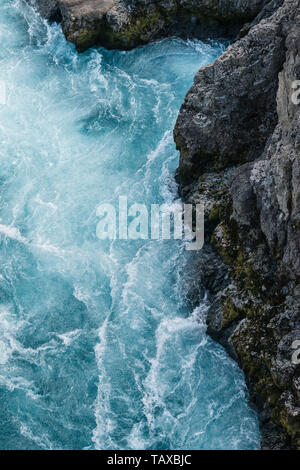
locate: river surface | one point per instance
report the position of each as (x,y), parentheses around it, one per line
(98,348)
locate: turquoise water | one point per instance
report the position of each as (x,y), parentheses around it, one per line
(97,346)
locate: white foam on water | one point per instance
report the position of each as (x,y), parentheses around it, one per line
(68,338)
(13,233)
(97,347)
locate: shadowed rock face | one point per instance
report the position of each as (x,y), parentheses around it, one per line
(49,9)
(239,126)
(125,24)
(229,113)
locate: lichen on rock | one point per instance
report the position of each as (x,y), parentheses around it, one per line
(124,24)
(239,118)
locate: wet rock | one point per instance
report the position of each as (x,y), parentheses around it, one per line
(49,9)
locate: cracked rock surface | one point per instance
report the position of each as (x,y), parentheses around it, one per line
(242,118)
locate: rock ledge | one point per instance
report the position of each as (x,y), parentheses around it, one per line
(124,24)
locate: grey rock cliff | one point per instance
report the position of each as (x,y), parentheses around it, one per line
(238,88)
(240,124)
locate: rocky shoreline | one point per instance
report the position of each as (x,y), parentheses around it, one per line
(238,137)
(125,24)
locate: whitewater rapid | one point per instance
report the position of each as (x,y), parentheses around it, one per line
(98,348)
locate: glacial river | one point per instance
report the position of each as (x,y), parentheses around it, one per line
(98,348)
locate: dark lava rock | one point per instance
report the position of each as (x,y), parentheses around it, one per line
(240,115)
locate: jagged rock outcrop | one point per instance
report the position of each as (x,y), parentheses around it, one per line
(239,125)
(125,24)
(239,88)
